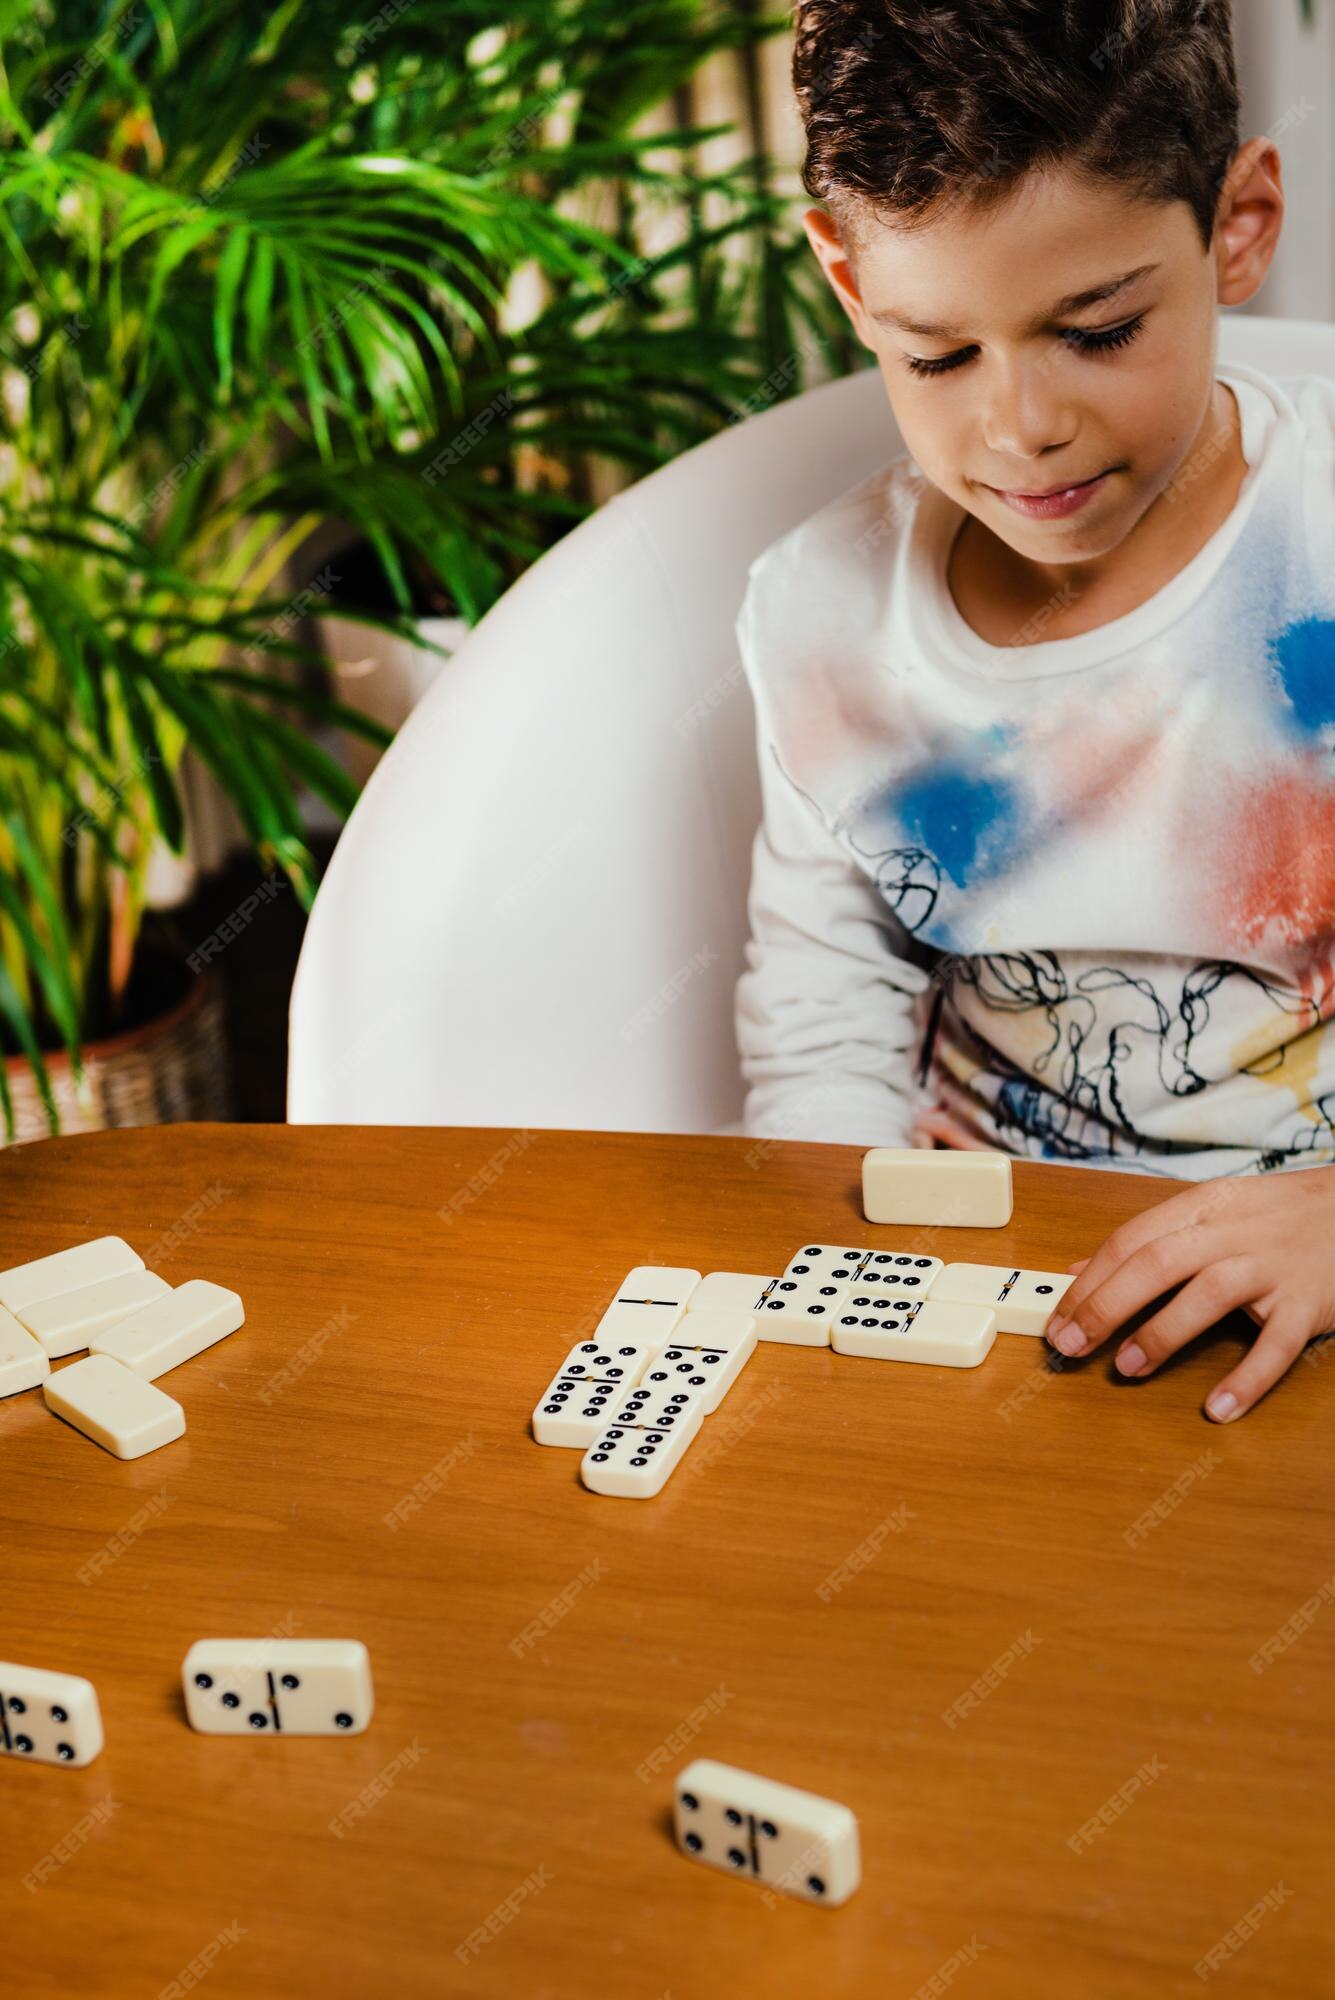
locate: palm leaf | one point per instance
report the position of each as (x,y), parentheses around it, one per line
(289,303)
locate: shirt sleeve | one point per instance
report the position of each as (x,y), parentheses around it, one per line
(829,1014)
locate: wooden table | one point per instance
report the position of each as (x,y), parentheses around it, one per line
(1005,1614)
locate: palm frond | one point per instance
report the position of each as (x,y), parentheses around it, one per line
(256,273)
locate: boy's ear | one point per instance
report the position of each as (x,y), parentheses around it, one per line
(1249,220)
(824,238)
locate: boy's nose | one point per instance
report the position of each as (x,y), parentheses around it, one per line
(1026,427)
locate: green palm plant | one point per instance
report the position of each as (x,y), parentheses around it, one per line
(253,278)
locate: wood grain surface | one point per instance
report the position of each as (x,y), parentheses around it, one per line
(1012,1615)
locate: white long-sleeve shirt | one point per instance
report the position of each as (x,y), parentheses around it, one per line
(1096,873)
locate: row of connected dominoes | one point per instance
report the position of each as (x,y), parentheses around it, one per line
(232,1687)
(896,1305)
(671,1344)
(99,1296)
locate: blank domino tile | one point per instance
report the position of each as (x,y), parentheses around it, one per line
(649,1302)
(278,1687)
(23,1361)
(970,1190)
(587,1389)
(799,1311)
(172,1328)
(726,1291)
(887,1328)
(113,1406)
(69,1321)
(1022,1300)
(48,1718)
(775,1834)
(65,1270)
(634,1457)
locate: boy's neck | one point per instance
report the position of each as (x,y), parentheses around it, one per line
(997,592)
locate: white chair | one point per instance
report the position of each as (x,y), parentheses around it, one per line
(536,914)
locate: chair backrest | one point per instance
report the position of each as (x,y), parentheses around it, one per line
(536,914)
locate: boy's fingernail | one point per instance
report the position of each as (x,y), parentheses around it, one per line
(1131,1359)
(1056,1322)
(1070,1340)
(1222,1405)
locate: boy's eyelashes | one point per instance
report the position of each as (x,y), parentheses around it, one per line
(1085,340)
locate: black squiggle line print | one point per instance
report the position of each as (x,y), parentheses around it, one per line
(788,779)
(919,874)
(1177,1054)
(1082,1104)
(1061,1119)
(1091,1097)
(913,894)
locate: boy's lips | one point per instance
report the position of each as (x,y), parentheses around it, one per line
(1046,492)
(1055,501)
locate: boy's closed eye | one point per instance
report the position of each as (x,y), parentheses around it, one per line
(1085,340)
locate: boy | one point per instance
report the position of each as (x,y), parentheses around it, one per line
(1046,707)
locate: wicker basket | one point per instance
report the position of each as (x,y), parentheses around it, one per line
(172,1068)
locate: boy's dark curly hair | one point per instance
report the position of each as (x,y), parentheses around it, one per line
(910,105)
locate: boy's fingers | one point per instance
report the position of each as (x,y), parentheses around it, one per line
(929,1128)
(1170,1217)
(1276,1348)
(1128,1271)
(923,1135)
(1108,1258)
(1213,1292)
(947,1128)
(1155,1268)
(964,1138)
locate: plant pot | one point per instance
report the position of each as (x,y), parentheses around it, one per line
(382,675)
(171,1067)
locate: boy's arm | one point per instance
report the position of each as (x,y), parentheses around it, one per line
(827,1028)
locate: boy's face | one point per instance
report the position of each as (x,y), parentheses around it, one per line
(1024,403)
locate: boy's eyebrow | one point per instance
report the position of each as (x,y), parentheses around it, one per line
(1073,302)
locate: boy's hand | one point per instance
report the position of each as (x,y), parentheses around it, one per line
(1262,1244)
(934,1124)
